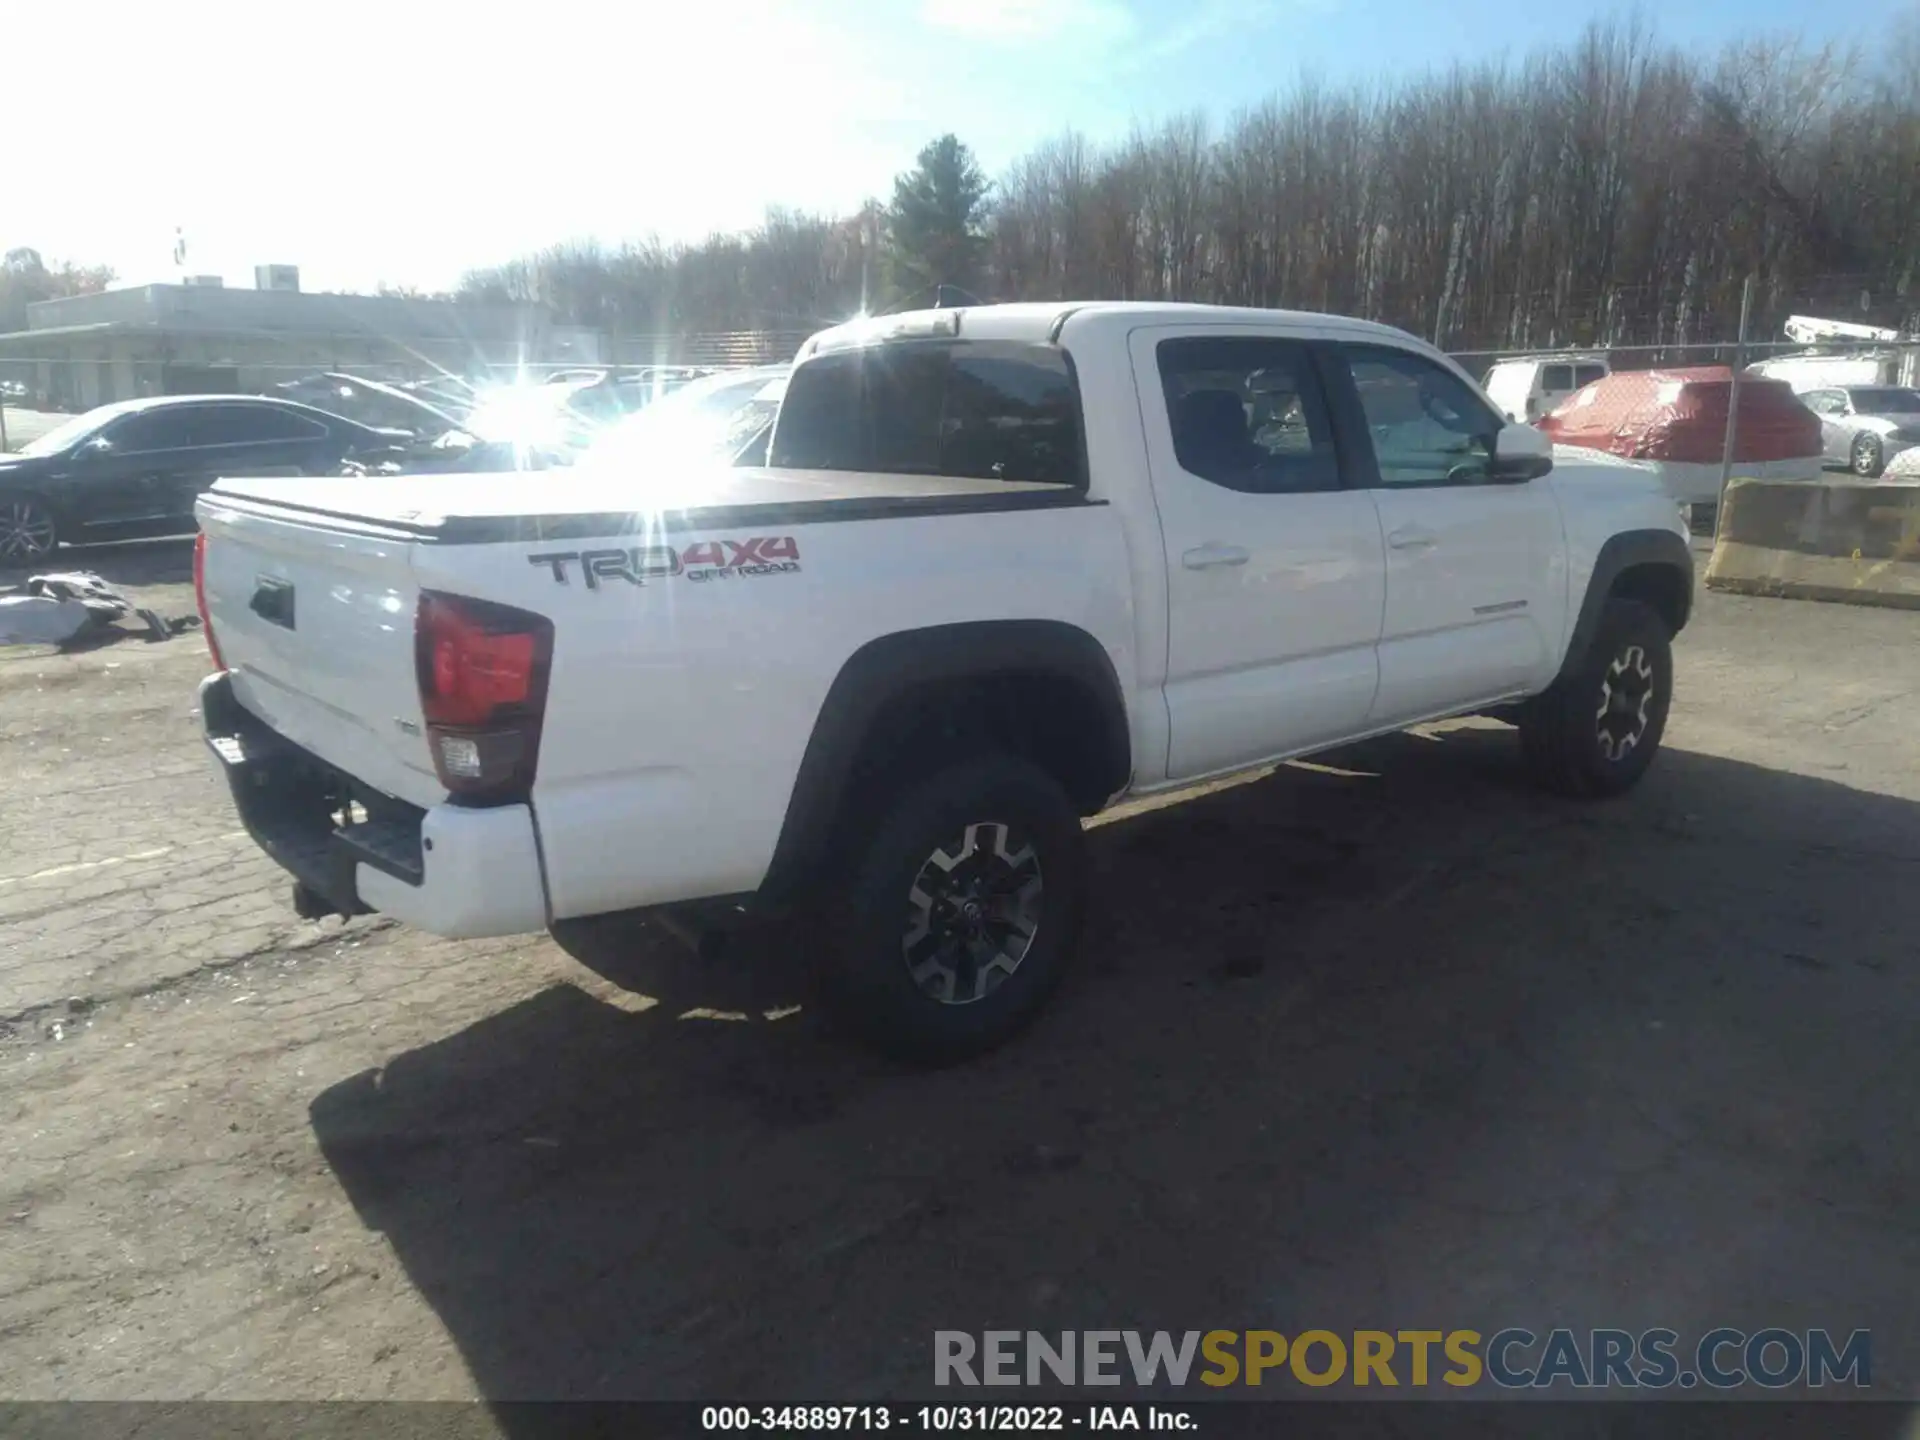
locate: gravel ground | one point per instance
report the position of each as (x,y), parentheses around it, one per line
(1387,1041)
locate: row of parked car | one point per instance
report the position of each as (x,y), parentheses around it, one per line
(564,411)
(135,468)
(1795,416)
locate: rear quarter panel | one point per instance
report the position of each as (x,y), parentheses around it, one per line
(679,708)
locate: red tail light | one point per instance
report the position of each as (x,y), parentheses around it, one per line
(200,598)
(483,691)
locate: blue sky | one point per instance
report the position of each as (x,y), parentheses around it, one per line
(276,133)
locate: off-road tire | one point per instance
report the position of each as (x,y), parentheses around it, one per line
(888,915)
(1597,729)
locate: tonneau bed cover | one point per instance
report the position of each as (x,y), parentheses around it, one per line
(475,509)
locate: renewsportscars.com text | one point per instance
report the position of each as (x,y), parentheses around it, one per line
(1721,1359)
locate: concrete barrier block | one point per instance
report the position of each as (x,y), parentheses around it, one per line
(1832,540)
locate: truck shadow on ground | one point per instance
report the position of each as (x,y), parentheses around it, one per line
(1394,1042)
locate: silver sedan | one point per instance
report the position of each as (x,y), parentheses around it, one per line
(1865,426)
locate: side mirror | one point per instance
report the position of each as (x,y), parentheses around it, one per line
(1520,453)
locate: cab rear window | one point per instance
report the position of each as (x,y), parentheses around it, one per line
(983,410)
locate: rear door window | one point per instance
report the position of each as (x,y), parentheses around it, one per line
(1556,378)
(984,410)
(169,427)
(255,425)
(1247,413)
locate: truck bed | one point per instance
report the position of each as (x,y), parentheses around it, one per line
(479,509)
(312,584)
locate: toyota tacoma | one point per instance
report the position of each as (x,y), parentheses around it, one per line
(1002,567)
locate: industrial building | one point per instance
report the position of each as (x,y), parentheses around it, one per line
(200,337)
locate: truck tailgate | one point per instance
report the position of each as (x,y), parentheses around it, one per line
(316,624)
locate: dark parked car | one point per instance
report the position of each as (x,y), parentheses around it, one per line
(136,468)
(370,402)
(726,417)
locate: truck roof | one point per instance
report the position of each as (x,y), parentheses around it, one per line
(1042,321)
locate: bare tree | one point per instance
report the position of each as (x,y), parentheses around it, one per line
(1612,190)
(26,277)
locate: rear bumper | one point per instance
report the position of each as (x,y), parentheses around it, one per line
(447,869)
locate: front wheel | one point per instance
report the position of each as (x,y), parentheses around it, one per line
(1869,458)
(957,910)
(1597,729)
(28,532)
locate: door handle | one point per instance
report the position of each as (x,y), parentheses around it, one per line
(1412,537)
(1213,556)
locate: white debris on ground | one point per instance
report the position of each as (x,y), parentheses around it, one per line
(58,609)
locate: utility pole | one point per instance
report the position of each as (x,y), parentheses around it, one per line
(1733,403)
(869,250)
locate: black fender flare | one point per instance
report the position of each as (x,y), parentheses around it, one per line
(1621,553)
(889,668)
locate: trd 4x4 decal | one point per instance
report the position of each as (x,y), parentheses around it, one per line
(702,560)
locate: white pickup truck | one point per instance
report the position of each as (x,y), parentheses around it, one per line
(1004,566)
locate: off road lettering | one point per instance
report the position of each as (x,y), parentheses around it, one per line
(636,565)
(702,560)
(762,551)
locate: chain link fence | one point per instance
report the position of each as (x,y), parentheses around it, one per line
(1720,352)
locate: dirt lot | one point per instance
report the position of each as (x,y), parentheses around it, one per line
(1388,1042)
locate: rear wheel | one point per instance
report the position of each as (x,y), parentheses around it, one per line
(1597,729)
(1868,458)
(956,913)
(28,532)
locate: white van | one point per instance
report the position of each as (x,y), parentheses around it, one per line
(1525,387)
